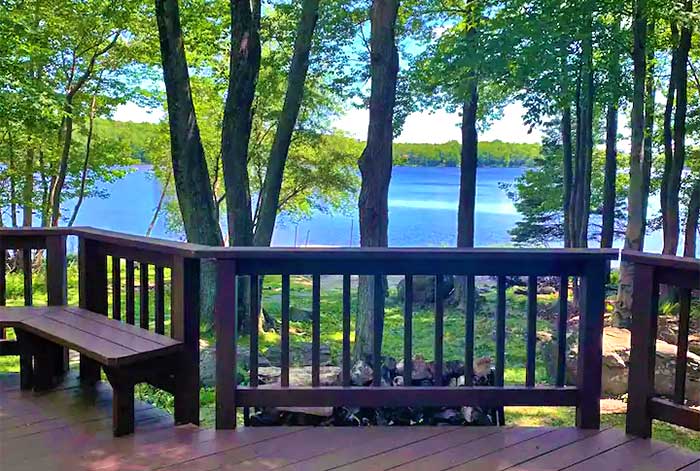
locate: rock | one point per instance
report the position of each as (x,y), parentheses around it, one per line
(546,290)
(300,354)
(616,353)
(424,289)
(207,364)
(361,374)
(299,376)
(297,314)
(421,369)
(668,332)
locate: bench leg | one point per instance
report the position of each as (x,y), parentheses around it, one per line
(45,360)
(187,394)
(122,402)
(26,366)
(89,371)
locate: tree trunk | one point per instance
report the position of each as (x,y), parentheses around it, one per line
(13,185)
(244,66)
(691,222)
(375,163)
(28,188)
(671,215)
(59,181)
(192,184)
(609,197)
(468,166)
(568,174)
(86,161)
(668,135)
(634,234)
(649,109)
(159,206)
(270,194)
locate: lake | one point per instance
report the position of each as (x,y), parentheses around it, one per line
(422,211)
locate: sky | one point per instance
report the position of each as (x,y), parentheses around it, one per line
(424,127)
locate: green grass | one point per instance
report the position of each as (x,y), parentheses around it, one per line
(423,337)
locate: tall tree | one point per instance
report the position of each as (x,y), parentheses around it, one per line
(634,234)
(375,165)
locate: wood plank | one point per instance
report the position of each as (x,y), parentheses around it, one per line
(462,453)
(527,450)
(382,440)
(677,414)
(225,324)
(130,298)
(531,330)
(284,347)
(625,456)
(576,452)
(417,450)
(670,459)
(346,330)
(143,296)
(316,330)
(439,330)
(408,331)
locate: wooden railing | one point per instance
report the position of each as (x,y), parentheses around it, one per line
(182,262)
(644,405)
(590,266)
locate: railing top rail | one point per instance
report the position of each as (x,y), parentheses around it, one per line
(664,261)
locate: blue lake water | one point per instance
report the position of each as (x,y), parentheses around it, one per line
(422,211)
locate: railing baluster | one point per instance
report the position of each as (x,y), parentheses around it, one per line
(3,261)
(284,355)
(682,345)
(439,329)
(130,301)
(501,331)
(408,331)
(160,299)
(254,324)
(316,331)
(377,327)
(469,331)
(346,330)
(27,271)
(561,328)
(225,322)
(531,329)
(143,296)
(116,288)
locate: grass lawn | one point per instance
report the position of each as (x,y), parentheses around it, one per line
(423,335)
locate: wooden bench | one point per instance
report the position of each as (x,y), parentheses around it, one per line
(127,354)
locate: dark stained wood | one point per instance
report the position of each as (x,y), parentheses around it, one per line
(668,261)
(92,277)
(469,315)
(130,298)
(590,359)
(561,329)
(346,330)
(69,428)
(3,286)
(254,327)
(645,302)
(408,331)
(284,347)
(439,330)
(677,414)
(682,345)
(27,272)
(316,330)
(143,296)
(675,277)
(378,396)
(184,315)
(500,330)
(531,330)
(116,288)
(56,276)
(159,300)
(225,324)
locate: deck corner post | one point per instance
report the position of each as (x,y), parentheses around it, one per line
(92,279)
(640,385)
(590,341)
(185,316)
(226,323)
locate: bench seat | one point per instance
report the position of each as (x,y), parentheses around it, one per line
(127,353)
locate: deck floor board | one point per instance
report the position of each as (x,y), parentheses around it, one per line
(69,428)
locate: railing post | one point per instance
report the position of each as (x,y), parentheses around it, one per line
(57,282)
(185,307)
(92,262)
(640,385)
(590,345)
(225,323)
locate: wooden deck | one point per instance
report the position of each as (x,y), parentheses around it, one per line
(70,428)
